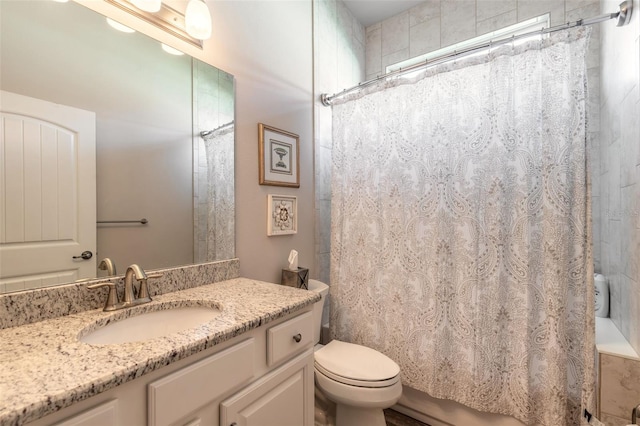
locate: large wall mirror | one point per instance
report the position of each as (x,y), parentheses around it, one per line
(163,143)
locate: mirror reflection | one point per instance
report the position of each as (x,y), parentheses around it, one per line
(102,129)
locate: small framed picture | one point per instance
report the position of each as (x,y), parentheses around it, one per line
(279,156)
(282,215)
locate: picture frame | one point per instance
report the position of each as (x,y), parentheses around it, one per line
(282,215)
(279,153)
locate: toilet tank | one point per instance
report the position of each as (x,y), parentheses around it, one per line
(323,289)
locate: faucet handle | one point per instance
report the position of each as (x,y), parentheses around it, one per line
(112,297)
(144,290)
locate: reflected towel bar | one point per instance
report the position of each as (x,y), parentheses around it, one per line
(142,221)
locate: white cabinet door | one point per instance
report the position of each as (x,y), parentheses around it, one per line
(47,192)
(175,397)
(101,415)
(283,397)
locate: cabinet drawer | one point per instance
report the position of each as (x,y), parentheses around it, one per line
(290,337)
(180,393)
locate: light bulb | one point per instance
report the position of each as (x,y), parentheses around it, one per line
(118,26)
(198,20)
(171,50)
(147,5)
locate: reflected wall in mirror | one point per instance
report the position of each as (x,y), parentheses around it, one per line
(151,160)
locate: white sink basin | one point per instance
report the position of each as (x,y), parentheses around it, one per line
(150,325)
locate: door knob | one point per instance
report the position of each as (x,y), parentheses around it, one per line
(86,255)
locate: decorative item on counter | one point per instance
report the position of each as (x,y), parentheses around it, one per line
(295,276)
(601,296)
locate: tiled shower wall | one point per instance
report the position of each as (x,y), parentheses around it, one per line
(213,103)
(619,166)
(339,46)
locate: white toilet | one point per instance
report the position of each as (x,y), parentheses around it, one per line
(361,381)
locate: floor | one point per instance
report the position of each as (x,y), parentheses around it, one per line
(395,418)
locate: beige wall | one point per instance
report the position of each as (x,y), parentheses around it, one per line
(267,46)
(339,63)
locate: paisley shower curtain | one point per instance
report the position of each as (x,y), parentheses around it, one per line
(461,229)
(220,229)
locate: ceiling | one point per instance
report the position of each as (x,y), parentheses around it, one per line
(369,12)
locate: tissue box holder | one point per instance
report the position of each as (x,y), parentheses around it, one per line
(296,278)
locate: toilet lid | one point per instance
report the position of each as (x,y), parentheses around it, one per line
(355,362)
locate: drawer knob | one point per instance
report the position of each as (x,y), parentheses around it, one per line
(297,337)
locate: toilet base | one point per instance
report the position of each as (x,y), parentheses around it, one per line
(347,415)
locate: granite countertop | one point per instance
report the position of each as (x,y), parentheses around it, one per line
(44,367)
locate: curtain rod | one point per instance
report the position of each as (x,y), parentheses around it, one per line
(623,16)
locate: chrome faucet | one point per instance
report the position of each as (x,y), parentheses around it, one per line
(107,264)
(132,270)
(129,298)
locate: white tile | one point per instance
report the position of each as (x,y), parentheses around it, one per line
(324,266)
(344,21)
(424,37)
(326,13)
(327,65)
(373,27)
(581,9)
(613,183)
(570,5)
(497,22)
(531,8)
(359,32)
(458,21)
(344,64)
(629,256)
(395,34)
(593,100)
(324,221)
(359,63)
(373,51)
(487,9)
(634,332)
(424,12)
(629,141)
(325,127)
(323,173)
(395,57)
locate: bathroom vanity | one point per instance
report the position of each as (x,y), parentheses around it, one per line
(252,364)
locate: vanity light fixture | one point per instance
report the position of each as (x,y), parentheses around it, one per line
(118,26)
(171,50)
(152,6)
(167,19)
(198,20)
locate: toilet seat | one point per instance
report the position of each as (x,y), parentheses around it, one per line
(356,365)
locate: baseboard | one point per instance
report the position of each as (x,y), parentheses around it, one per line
(424,418)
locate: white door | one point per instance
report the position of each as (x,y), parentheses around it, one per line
(47,192)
